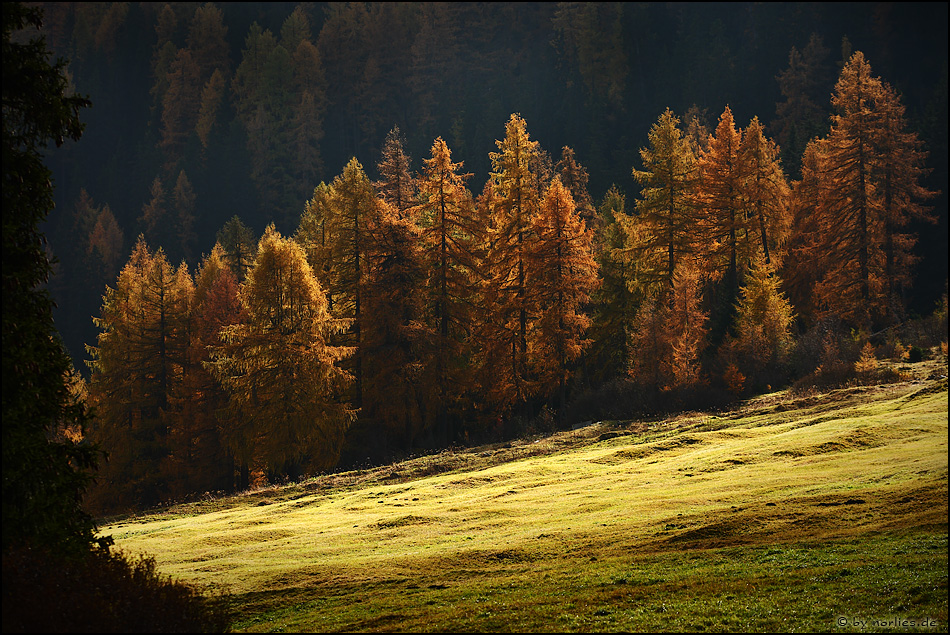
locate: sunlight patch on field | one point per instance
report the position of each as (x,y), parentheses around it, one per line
(783,475)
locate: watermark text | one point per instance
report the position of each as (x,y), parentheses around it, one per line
(844,621)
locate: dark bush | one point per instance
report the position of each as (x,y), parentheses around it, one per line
(829,345)
(617,399)
(103,592)
(916,354)
(627,399)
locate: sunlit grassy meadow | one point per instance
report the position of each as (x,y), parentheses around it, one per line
(819,512)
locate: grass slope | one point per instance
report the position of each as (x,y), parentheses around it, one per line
(818,513)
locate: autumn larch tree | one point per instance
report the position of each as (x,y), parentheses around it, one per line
(156,220)
(285,386)
(183,204)
(649,343)
(137,370)
(669,334)
(352,210)
(207,43)
(181,106)
(106,242)
(397,344)
(212,98)
(574,177)
(666,204)
(450,231)
(613,302)
(802,115)
(687,327)
(696,130)
(765,190)
(802,267)
(561,274)
(504,343)
(764,321)
(721,208)
(396,185)
(238,246)
(848,159)
(871,170)
(899,172)
(201,462)
(314,237)
(310,101)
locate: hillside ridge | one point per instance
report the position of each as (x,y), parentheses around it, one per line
(922,378)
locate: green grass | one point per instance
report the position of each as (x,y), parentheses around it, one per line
(788,514)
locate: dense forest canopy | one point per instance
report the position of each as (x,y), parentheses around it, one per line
(591,76)
(427,221)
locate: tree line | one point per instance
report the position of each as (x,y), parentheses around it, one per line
(412,312)
(207,110)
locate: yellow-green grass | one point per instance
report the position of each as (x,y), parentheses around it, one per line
(787,514)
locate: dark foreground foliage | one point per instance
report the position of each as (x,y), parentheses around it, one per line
(43,477)
(105,592)
(76,582)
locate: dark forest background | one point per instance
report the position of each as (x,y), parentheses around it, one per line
(593,76)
